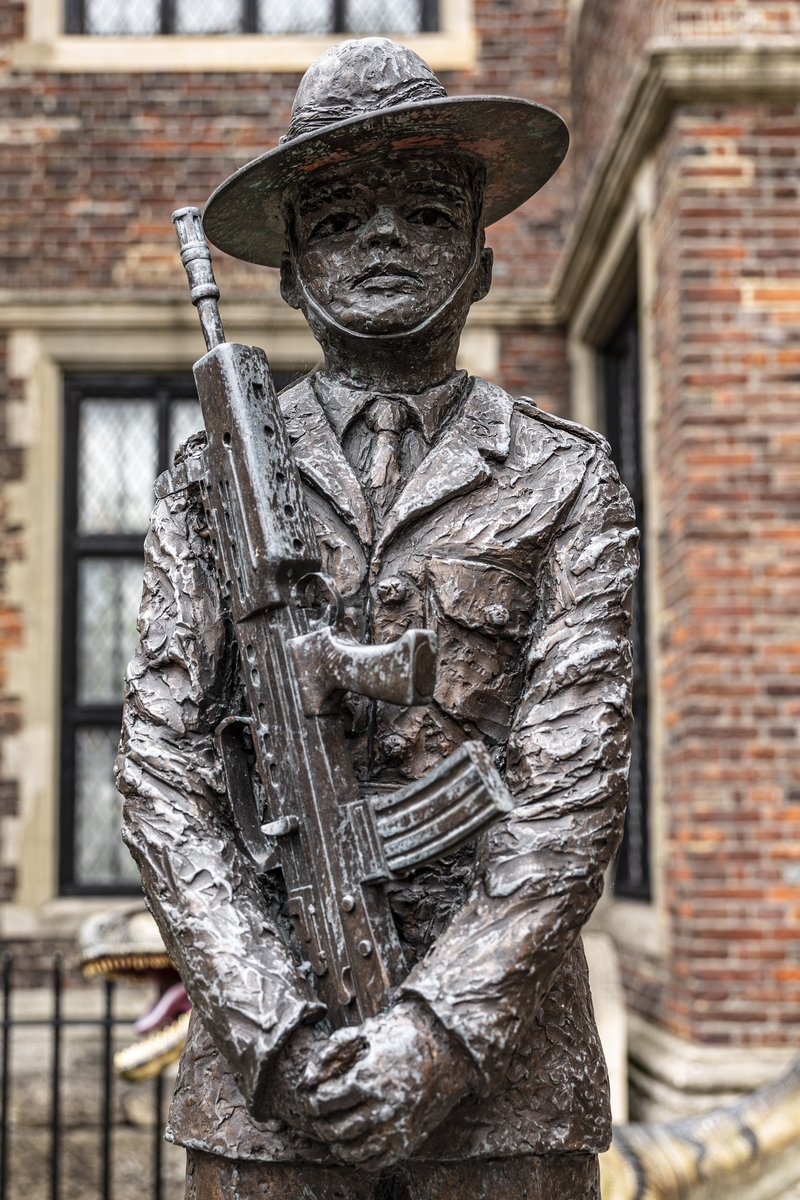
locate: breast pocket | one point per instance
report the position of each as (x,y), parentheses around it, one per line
(482,615)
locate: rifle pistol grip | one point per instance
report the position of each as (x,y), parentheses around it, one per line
(327,664)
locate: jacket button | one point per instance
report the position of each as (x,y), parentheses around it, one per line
(391,747)
(497,615)
(392,590)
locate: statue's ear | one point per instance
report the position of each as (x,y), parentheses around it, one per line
(289,288)
(483,276)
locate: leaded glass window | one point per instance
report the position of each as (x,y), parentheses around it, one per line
(276,16)
(207,16)
(198,17)
(121,16)
(376,16)
(120,433)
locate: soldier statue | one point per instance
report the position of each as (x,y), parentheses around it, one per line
(439,503)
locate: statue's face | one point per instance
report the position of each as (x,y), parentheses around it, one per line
(382,244)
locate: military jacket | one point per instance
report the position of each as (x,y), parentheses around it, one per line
(515,541)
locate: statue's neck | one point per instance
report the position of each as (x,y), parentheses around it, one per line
(411,365)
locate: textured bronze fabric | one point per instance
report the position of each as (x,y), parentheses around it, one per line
(515,542)
(551,1177)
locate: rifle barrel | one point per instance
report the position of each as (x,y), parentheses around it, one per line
(196,258)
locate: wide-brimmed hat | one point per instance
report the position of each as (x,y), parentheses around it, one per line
(374,96)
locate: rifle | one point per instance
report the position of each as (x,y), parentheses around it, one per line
(335,847)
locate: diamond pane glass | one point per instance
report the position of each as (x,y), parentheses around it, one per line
(109,594)
(185,418)
(100,854)
(208,16)
(295,16)
(122,16)
(383,16)
(117,463)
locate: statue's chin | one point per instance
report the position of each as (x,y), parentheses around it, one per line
(386,318)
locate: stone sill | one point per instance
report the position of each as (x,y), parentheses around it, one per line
(447,51)
(701,1069)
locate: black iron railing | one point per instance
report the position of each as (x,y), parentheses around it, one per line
(57,1023)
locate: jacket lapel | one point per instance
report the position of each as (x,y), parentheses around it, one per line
(457,463)
(320,459)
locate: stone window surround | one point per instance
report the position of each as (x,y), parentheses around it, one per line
(46,338)
(613,230)
(627,265)
(46,47)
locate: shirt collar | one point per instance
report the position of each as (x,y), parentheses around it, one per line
(342,404)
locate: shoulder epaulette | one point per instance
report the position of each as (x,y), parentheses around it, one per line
(531,408)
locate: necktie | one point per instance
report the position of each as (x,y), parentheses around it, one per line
(387,420)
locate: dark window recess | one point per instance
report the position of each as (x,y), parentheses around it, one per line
(120,433)
(198,17)
(623,419)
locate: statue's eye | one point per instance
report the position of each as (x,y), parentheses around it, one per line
(431,218)
(336,222)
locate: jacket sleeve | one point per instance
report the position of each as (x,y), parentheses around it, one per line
(540,871)
(215,920)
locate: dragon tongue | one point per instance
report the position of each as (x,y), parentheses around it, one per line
(167,1007)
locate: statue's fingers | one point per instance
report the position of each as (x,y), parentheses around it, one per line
(345,1128)
(335,1096)
(372,1153)
(335,1057)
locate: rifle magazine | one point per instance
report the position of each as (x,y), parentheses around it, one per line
(441,812)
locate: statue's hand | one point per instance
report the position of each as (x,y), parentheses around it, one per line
(375,1091)
(279,1092)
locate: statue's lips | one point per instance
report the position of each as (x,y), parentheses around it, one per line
(387,275)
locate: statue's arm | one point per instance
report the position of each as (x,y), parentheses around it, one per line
(213,917)
(541,871)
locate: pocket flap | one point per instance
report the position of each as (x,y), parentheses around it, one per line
(481,596)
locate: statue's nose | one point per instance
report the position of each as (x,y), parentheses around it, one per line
(383,229)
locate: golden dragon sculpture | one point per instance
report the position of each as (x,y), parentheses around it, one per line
(748,1150)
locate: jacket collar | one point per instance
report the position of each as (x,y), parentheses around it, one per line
(342,404)
(457,462)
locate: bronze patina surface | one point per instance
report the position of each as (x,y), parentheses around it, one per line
(439,503)
(531,1177)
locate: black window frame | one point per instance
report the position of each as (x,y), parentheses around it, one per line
(620,362)
(75,18)
(164,389)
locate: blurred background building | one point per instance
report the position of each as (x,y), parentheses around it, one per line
(651,290)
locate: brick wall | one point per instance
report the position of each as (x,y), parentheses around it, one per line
(533,362)
(102,161)
(606,64)
(711,19)
(728,322)
(525,52)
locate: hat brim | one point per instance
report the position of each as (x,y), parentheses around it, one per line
(522,144)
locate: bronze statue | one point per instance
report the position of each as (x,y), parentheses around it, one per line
(439,504)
